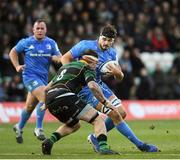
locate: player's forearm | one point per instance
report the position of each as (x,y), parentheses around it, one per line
(66,58)
(65,61)
(14,58)
(97,91)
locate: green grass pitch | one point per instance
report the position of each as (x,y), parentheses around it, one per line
(165,134)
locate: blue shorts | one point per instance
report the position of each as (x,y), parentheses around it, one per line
(32,82)
(87,95)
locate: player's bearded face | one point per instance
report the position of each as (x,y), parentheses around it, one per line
(105,42)
(39,30)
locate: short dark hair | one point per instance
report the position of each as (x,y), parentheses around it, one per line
(39,20)
(108,31)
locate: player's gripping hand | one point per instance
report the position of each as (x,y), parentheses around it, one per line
(115,69)
(109,105)
(20,68)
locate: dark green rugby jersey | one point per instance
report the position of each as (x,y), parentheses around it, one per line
(74,76)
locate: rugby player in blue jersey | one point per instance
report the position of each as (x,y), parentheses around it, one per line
(103,46)
(39,50)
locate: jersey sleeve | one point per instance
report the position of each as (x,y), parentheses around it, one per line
(90,75)
(55,49)
(20,46)
(78,49)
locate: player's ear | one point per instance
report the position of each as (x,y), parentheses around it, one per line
(33,29)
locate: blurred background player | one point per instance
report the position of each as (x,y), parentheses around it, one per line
(64,104)
(39,50)
(105,53)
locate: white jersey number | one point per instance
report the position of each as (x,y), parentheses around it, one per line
(61,74)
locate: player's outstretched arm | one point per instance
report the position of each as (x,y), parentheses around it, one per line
(66,58)
(99,94)
(97,91)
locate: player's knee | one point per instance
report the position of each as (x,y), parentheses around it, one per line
(94,118)
(98,121)
(122,112)
(123,115)
(115,116)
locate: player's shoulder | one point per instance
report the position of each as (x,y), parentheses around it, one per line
(87,42)
(112,50)
(49,39)
(24,40)
(28,40)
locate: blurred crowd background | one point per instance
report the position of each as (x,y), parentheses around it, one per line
(148,42)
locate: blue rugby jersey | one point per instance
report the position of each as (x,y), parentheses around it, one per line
(103,55)
(37,55)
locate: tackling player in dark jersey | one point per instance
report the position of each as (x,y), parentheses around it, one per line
(64,104)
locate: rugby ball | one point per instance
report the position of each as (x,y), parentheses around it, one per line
(103,67)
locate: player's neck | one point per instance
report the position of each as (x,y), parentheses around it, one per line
(38,39)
